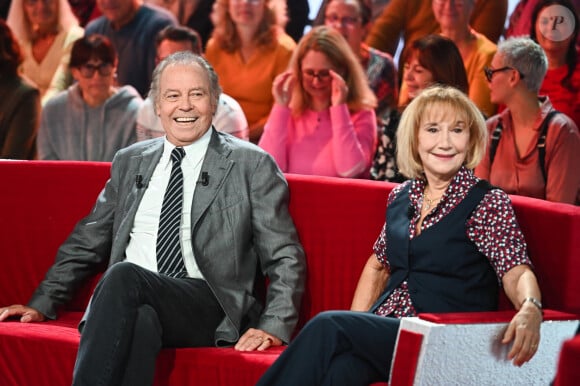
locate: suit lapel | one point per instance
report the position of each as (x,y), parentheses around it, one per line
(142,164)
(217,165)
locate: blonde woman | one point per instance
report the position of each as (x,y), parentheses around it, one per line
(248,48)
(323,121)
(46,30)
(465,226)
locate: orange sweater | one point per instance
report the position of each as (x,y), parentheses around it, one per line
(250,83)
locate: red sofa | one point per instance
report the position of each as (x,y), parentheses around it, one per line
(337,221)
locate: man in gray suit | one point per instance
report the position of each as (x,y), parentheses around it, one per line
(234,226)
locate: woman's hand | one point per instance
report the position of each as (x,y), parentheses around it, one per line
(524,331)
(282,88)
(339,89)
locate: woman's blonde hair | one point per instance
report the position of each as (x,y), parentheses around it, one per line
(336,49)
(226,36)
(441,98)
(20,24)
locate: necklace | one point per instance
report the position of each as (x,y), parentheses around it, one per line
(428,201)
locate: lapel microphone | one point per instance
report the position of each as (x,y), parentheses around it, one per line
(204,178)
(139,181)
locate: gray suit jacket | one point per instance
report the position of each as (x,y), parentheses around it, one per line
(240,222)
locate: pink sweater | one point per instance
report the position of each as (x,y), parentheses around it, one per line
(332,142)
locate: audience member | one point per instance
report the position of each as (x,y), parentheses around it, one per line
(132,26)
(322,122)
(46,30)
(93,119)
(189,282)
(533,152)
(562,80)
(248,49)
(476,50)
(414,19)
(352,19)
(433,59)
(19,102)
(443,220)
(229,116)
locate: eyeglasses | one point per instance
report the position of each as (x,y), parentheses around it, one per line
(345,21)
(489,72)
(88,70)
(321,75)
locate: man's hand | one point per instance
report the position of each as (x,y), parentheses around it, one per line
(254,339)
(524,331)
(27,314)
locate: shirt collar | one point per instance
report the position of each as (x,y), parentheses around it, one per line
(194,152)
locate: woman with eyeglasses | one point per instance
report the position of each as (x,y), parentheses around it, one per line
(534,150)
(93,118)
(562,80)
(248,48)
(46,30)
(323,120)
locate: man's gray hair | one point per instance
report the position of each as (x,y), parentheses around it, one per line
(527,57)
(185,58)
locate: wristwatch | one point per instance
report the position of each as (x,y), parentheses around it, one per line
(534,301)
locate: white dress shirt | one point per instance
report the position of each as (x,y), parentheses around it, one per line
(141,249)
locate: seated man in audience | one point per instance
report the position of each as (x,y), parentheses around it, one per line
(132,26)
(229,116)
(175,280)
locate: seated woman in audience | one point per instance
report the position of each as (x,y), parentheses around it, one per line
(46,30)
(248,49)
(92,119)
(562,80)
(322,122)
(449,221)
(533,152)
(430,60)
(476,50)
(19,102)
(352,19)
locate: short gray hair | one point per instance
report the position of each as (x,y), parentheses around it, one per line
(527,57)
(185,58)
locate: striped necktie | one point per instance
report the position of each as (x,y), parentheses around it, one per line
(169,257)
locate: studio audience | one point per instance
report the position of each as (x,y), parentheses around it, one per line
(92,119)
(323,120)
(248,49)
(533,151)
(19,102)
(46,30)
(413,19)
